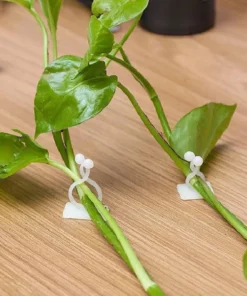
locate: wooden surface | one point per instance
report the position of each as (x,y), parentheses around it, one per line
(186,246)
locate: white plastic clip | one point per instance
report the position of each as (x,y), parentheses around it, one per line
(186,191)
(73,209)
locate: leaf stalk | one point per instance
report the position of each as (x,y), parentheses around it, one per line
(150,91)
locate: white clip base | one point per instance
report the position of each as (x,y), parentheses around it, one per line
(189,193)
(71,211)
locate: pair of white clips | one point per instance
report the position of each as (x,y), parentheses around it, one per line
(186,191)
(75,210)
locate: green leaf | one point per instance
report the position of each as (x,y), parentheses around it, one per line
(17,152)
(245,265)
(51,9)
(65,98)
(199,130)
(100,41)
(114,12)
(26,3)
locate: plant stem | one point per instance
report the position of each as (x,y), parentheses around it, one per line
(209,196)
(45,36)
(136,265)
(196,182)
(99,222)
(60,146)
(127,60)
(71,160)
(151,92)
(104,229)
(70,152)
(155,291)
(245,264)
(124,56)
(93,212)
(125,38)
(183,165)
(199,185)
(54,42)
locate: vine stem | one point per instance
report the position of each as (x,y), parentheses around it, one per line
(149,286)
(103,224)
(183,165)
(44,34)
(100,223)
(60,146)
(53,31)
(196,182)
(70,152)
(151,92)
(209,196)
(125,38)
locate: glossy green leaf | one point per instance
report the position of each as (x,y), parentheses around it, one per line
(245,265)
(51,9)
(199,130)
(112,12)
(17,152)
(100,41)
(26,3)
(65,99)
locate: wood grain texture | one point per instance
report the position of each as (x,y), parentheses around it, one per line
(186,246)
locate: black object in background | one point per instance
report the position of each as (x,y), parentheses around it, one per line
(179,17)
(88,3)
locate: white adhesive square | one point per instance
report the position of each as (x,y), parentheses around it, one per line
(189,193)
(71,211)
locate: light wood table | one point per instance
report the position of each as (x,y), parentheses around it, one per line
(186,246)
